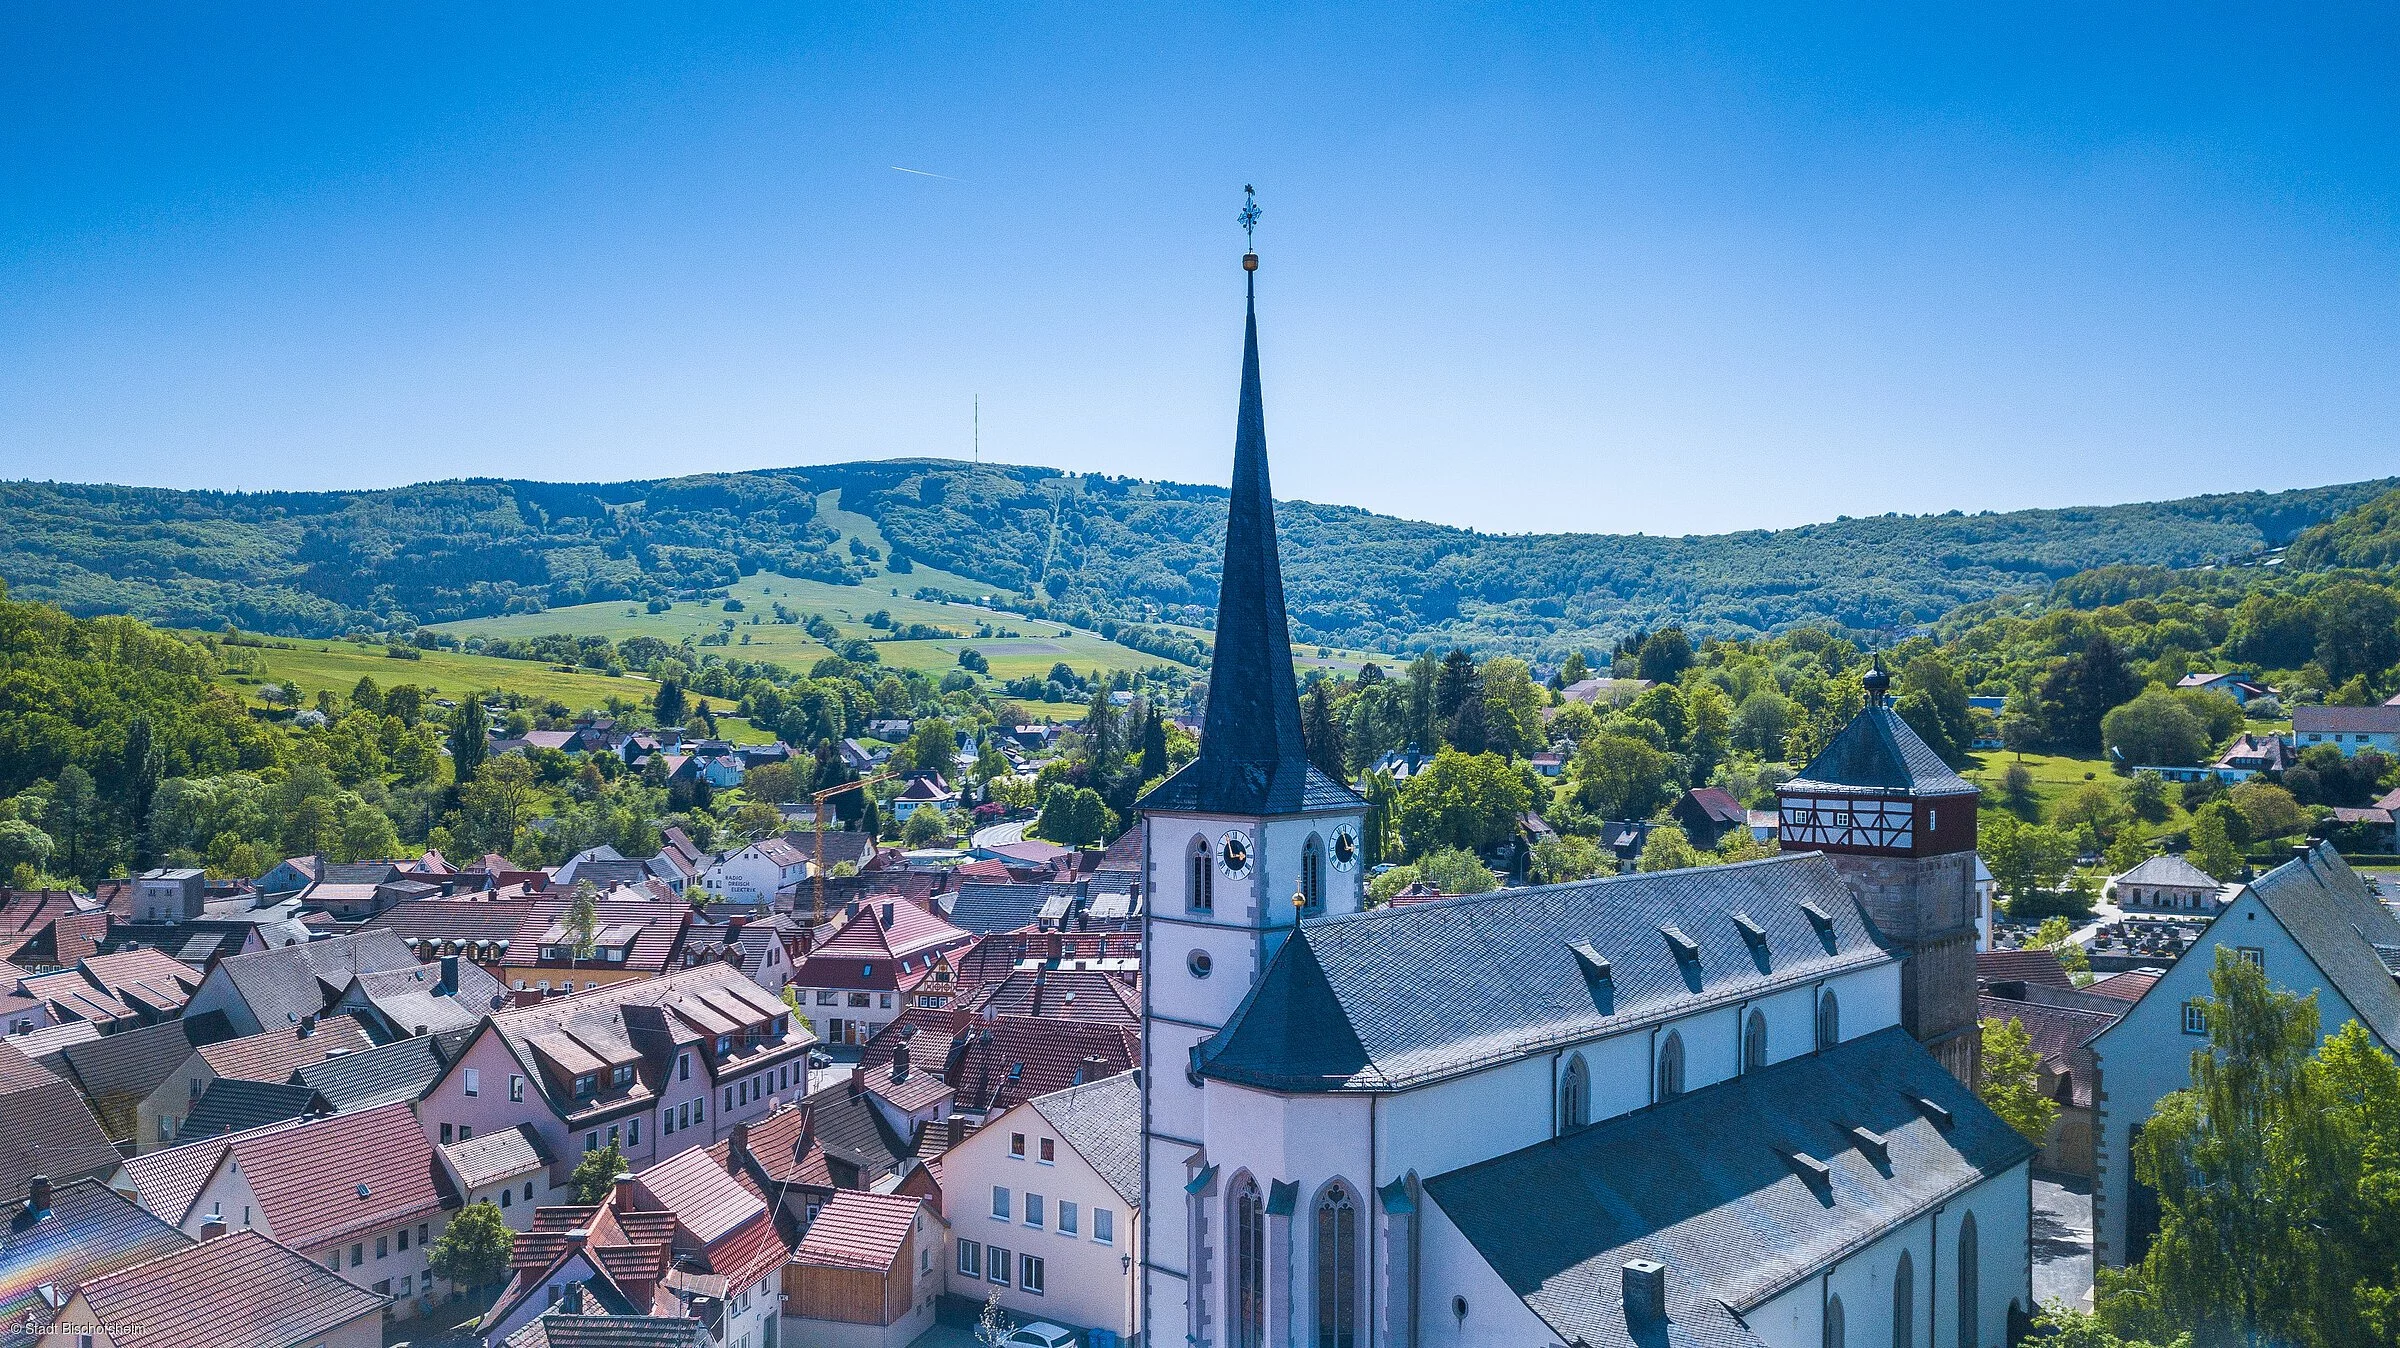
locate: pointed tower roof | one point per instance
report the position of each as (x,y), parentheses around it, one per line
(1880,752)
(1253,759)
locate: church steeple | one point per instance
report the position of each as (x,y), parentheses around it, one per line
(1253,759)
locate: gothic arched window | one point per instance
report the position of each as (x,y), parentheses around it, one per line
(1754,1042)
(1829,1020)
(1312,876)
(1835,1329)
(1574,1096)
(1904,1302)
(1670,1066)
(1202,896)
(1337,1268)
(1249,1226)
(1970,1286)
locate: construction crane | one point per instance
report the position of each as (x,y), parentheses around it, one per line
(817,918)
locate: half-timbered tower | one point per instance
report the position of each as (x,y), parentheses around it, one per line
(1900,826)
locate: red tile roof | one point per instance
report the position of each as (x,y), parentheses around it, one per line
(1006,1060)
(2125,987)
(1067,994)
(706,1200)
(1719,805)
(859,1230)
(150,977)
(237,1289)
(324,1180)
(49,1130)
(2022,966)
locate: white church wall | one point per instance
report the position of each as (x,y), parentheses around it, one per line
(1791,1022)
(1455,1123)
(1620,1068)
(1456,1274)
(1305,1139)
(1179,991)
(1710,1051)
(1869,999)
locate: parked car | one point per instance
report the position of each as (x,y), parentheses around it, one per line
(1040,1334)
(819,1059)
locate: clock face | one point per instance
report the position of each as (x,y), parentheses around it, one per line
(1345,848)
(1234,853)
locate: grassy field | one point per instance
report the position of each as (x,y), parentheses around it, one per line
(337,666)
(1027,648)
(2056,777)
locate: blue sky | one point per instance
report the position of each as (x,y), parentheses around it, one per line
(1524,267)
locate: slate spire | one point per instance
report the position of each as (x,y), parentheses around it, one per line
(1253,702)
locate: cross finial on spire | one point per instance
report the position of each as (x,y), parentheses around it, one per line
(1249,219)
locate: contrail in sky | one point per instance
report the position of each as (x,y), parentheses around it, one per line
(923,174)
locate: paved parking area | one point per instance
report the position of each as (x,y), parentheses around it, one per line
(2062,1240)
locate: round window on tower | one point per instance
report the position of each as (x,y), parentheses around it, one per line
(1200,964)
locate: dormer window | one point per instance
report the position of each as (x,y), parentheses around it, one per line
(624,1075)
(585,1086)
(724,1044)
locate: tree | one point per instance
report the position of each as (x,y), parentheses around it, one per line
(2083,688)
(2155,728)
(2228,1156)
(772,783)
(1558,860)
(2130,848)
(1512,708)
(668,707)
(1319,727)
(1074,816)
(143,766)
(1619,777)
(498,803)
(23,844)
(2011,1079)
(925,826)
(473,1250)
(1462,800)
(1455,870)
(932,746)
(993,1326)
(2268,809)
(2016,790)
(595,1176)
(1760,724)
(73,820)
(2057,935)
(470,737)
(1154,747)
(2091,809)
(2146,796)
(1933,700)
(1668,848)
(583,919)
(1454,685)
(1573,671)
(2212,846)
(2025,859)
(2358,630)
(1664,655)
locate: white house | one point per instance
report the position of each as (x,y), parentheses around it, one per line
(2167,884)
(1684,1107)
(2315,927)
(2350,729)
(1042,1203)
(757,873)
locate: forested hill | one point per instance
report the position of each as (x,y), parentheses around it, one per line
(315,563)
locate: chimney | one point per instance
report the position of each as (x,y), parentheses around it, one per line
(449,983)
(38,1195)
(620,1196)
(1058,945)
(212,1228)
(1094,1067)
(887,916)
(1645,1290)
(956,1126)
(858,1080)
(572,1304)
(900,1061)
(737,1149)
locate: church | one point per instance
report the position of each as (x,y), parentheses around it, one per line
(1723,1106)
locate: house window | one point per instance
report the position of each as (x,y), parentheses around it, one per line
(1670,1066)
(729,1097)
(1203,895)
(446,1138)
(1016,1145)
(516,1088)
(666,1122)
(995,1265)
(858,999)
(1829,1020)
(1033,1209)
(1030,1273)
(1000,1205)
(827,997)
(2253,954)
(1904,1303)
(1312,876)
(633,1132)
(1754,1041)
(1049,1151)
(683,1067)
(358,1255)
(1337,1268)
(1970,1286)
(2195,1016)
(507,1197)
(1067,1216)
(404,1238)
(466,1132)
(474,1082)
(886,1000)
(591,1141)
(1104,1225)
(1575,1096)
(408,1283)
(970,1258)
(1250,1266)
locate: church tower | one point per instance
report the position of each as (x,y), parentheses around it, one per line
(1241,844)
(1900,826)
